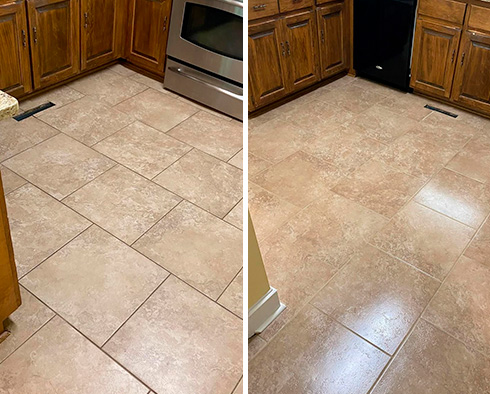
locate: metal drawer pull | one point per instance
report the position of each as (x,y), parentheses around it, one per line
(24,42)
(86,20)
(462,58)
(283,50)
(323,36)
(34,30)
(452,57)
(259,7)
(289,49)
(165,24)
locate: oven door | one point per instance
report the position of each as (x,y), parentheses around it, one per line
(208,34)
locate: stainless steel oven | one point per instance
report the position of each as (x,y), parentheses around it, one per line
(205,53)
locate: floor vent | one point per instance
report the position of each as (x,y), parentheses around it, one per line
(33,111)
(441,111)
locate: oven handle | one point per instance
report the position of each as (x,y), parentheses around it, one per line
(179,70)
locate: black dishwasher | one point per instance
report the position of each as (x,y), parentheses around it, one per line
(383,35)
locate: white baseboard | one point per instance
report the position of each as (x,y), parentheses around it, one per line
(264,312)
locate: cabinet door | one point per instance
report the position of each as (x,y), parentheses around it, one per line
(332,32)
(266,56)
(101,31)
(148,33)
(434,57)
(15,65)
(300,39)
(472,81)
(55,45)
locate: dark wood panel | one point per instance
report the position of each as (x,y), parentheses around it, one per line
(479,18)
(448,10)
(262,8)
(291,5)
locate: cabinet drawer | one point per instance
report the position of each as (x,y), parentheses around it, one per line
(448,10)
(262,8)
(479,18)
(290,5)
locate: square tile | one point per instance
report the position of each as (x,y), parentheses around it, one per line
(425,239)
(378,297)
(157,109)
(256,164)
(60,165)
(151,83)
(23,323)
(58,96)
(204,180)
(122,70)
(474,160)
(239,388)
(232,297)
(60,360)
(237,160)
(462,305)
(379,187)
(479,248)
(143,149)
(310,175)
(123,203)
(217,137)
(353,98)
(86,120)
(181,342)
(39,225)
(314,354)
(407,104)
(433,362)
(255,345)
(10,180)
(95,283)
(458,197)
(374,87)
(196,246)
(16,137)
(235,216)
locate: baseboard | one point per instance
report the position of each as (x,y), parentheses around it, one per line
(264,312)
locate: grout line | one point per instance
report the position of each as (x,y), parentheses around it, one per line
(229,284)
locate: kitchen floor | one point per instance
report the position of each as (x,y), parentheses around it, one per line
(125,206)
(372,213)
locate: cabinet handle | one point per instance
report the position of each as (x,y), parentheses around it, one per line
(462,58)
(86,20)
(452,57)
(283,50)
(259,7)
(323,36)
(165,24)
(24,42)
(34,30)
(289,49)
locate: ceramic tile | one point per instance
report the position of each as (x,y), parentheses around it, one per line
(314,354)
(16,137)
(10,180)
(433,362)
(256,164)
(232,298)
(479,248)
(123,203)
(157,109)
(379,187)
(39,225)
(235,216)
(237,160)
(239,388)
(204,180)
(23,323)
(342,82)
(196,246)
(375,87)
(95,282)
(152,83)
(458,197)
(205,108)
(60,165)
(474,160)
(181,342)
(58,96)
(108,87)
(378,297)
(458,124)
(215,136)
(299,172)
(59,360)
(407,104)
(142,149)
(255,345)
(462,306)
(425,239)
(353,98)
(121,70)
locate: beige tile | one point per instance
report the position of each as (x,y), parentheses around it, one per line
(123,203)
(40,225)
(151,83)
(353,98)
(267,211)
(237,160)
(215,136)
(458,124)
(181,342)
(462,306)
(59,97)
(474,160)
(108,87)
(256,164)
(143,149)
(205,108)
(16,137)
(122,70)
(407,104)
(232,298)
(23,323)
(433,362)
(378,297)
(235,216)
(452,138)
(60,165)
(379,187)
(10,180)
(479,248)
(95,283)
(59,360)
(375,87)
(204,180)
(314,354)
(239,388)
(299,179)
(199,248)
(424,239)
(458,197)
(341,82)
(157,109)
(255,345)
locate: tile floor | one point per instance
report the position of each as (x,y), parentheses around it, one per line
(373,217)
(126,215)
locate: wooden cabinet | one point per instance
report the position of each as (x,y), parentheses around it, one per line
(101,31)
(262,8)
(54,38)
(15,65)
(291,5)
(148,33)
(332,35)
